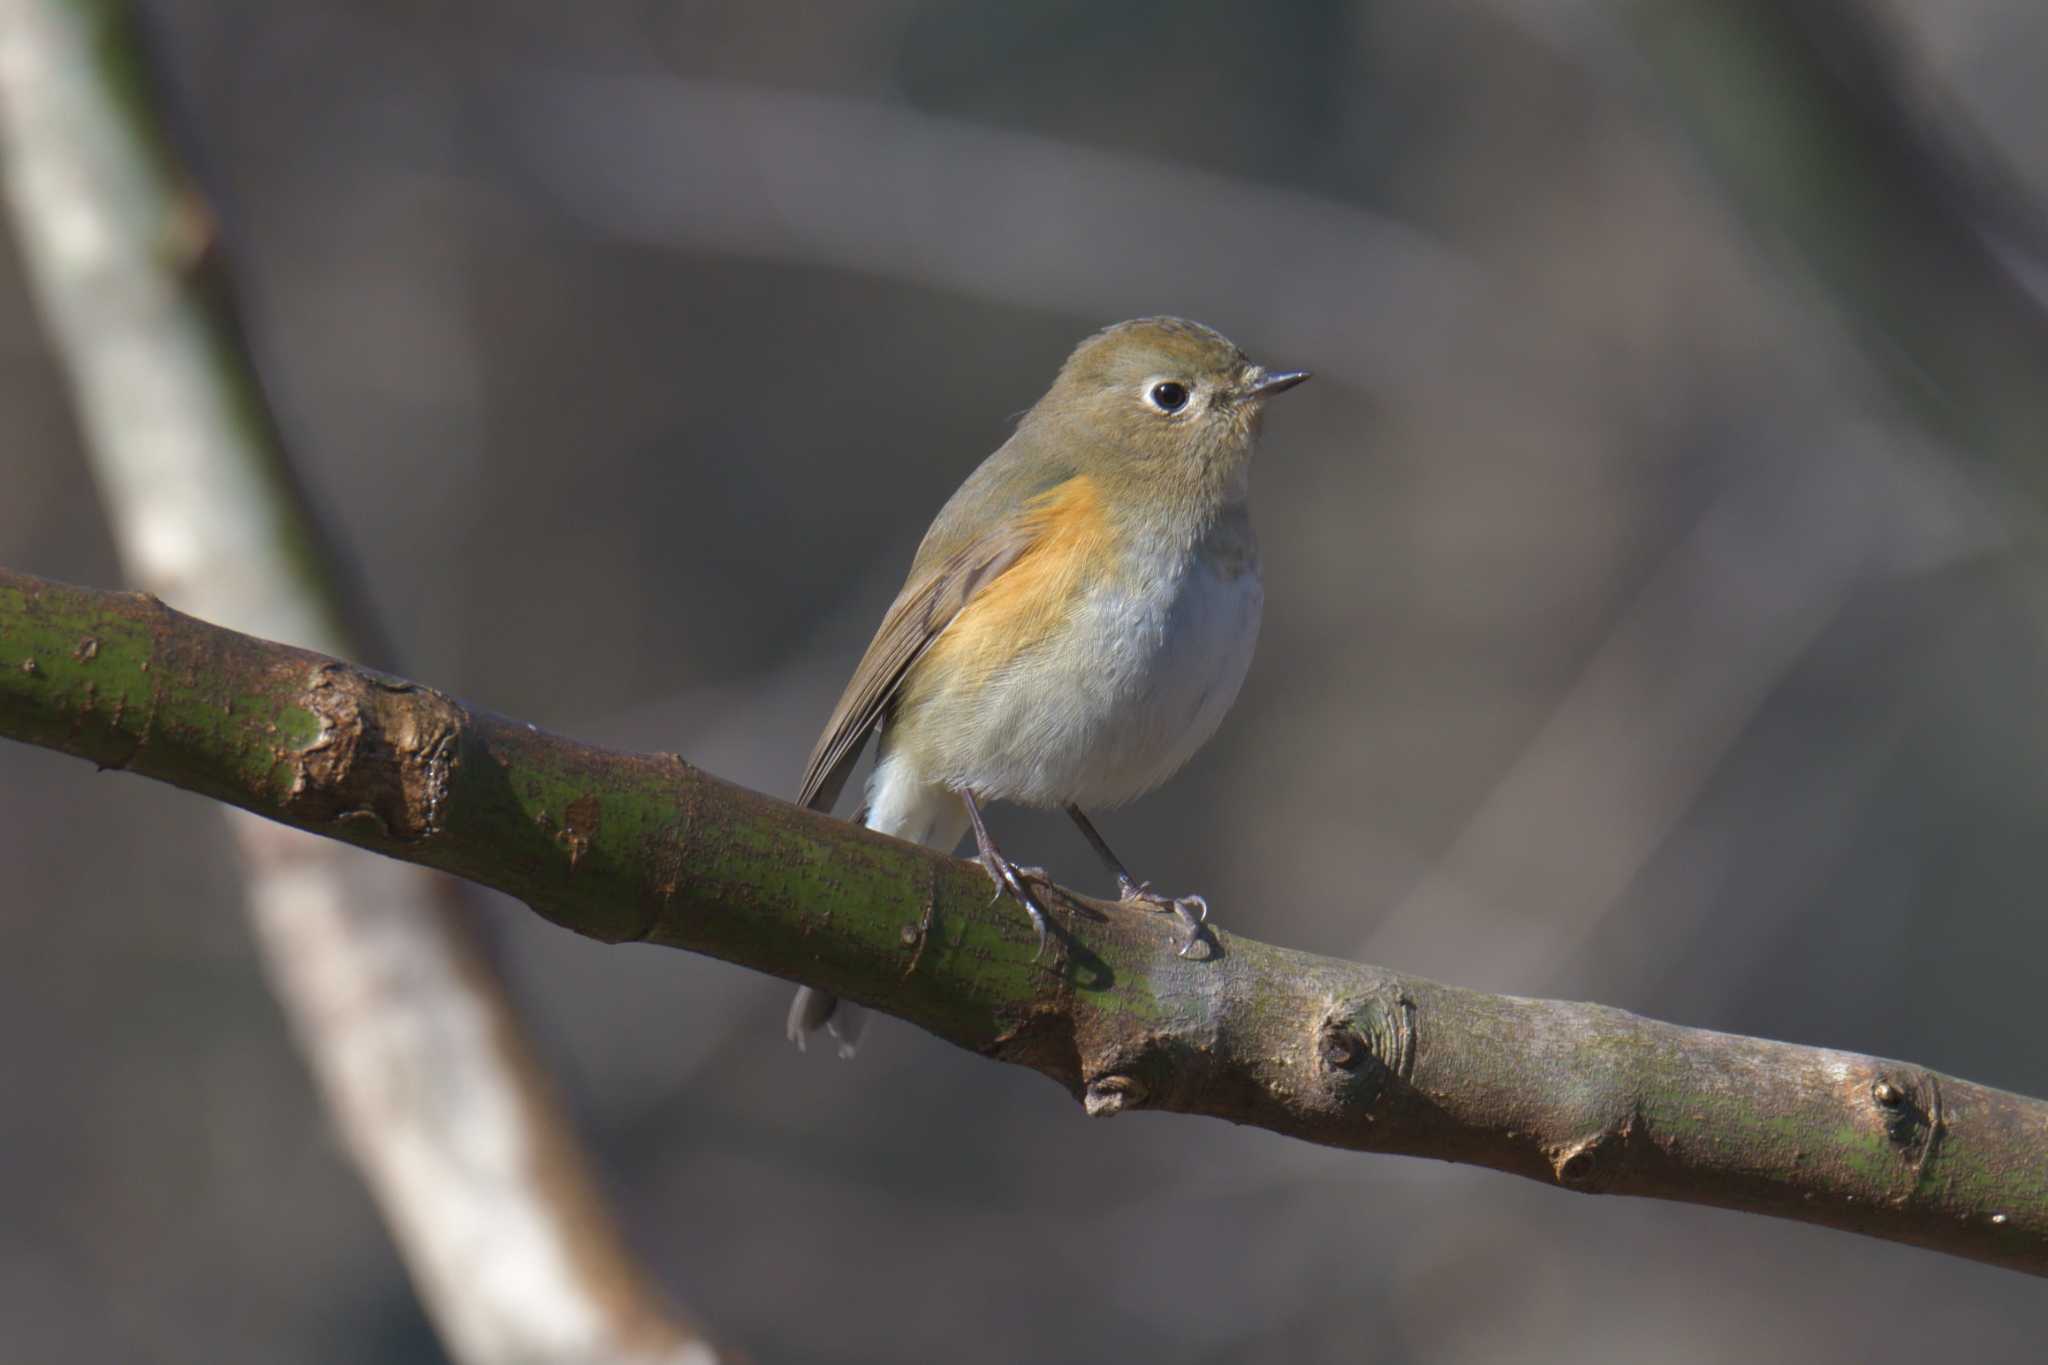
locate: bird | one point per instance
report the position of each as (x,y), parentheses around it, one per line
(1075,623)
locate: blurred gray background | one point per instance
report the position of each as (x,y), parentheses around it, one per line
(1631,635)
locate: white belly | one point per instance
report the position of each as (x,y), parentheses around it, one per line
(1125,697)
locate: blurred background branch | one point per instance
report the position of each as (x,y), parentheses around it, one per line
(1874,177)
(861,185)
(417,1047)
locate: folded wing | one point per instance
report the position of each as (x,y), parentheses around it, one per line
(927,604)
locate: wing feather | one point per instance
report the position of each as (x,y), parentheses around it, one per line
(924,608)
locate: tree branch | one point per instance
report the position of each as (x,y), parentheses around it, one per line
(435,1085)
(646,847)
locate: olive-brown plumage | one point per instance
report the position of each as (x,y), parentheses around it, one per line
(1078,618)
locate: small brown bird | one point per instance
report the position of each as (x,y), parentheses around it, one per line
(1077,620)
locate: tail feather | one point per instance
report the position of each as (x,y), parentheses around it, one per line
(815,1009)
(910,810)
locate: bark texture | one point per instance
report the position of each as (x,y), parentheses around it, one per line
(647,848)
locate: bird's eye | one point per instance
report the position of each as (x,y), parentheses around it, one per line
(1168,396)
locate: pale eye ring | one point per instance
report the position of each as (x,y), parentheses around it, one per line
(1168,395)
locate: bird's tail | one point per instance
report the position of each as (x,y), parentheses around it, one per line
(923,815)
(814,1009)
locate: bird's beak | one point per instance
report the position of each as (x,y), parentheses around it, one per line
(1265,384)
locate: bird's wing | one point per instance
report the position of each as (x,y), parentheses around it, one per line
(926,605)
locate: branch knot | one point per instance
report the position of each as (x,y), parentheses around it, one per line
(1361,1046)
(1108,1096)
(1589,1164)
(385,752)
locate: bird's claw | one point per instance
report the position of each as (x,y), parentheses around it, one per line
(1192,911)
(1012,880)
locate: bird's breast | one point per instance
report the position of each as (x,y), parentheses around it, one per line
(1104,695)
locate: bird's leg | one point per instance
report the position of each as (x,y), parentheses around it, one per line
(1192,911)
(1127,886)
(1007,876)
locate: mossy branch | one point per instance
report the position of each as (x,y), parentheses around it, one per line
(645,847)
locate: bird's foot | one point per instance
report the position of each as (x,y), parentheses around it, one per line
(1014,881)
(1191,911)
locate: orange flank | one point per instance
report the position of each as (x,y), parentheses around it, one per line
(1030,600)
